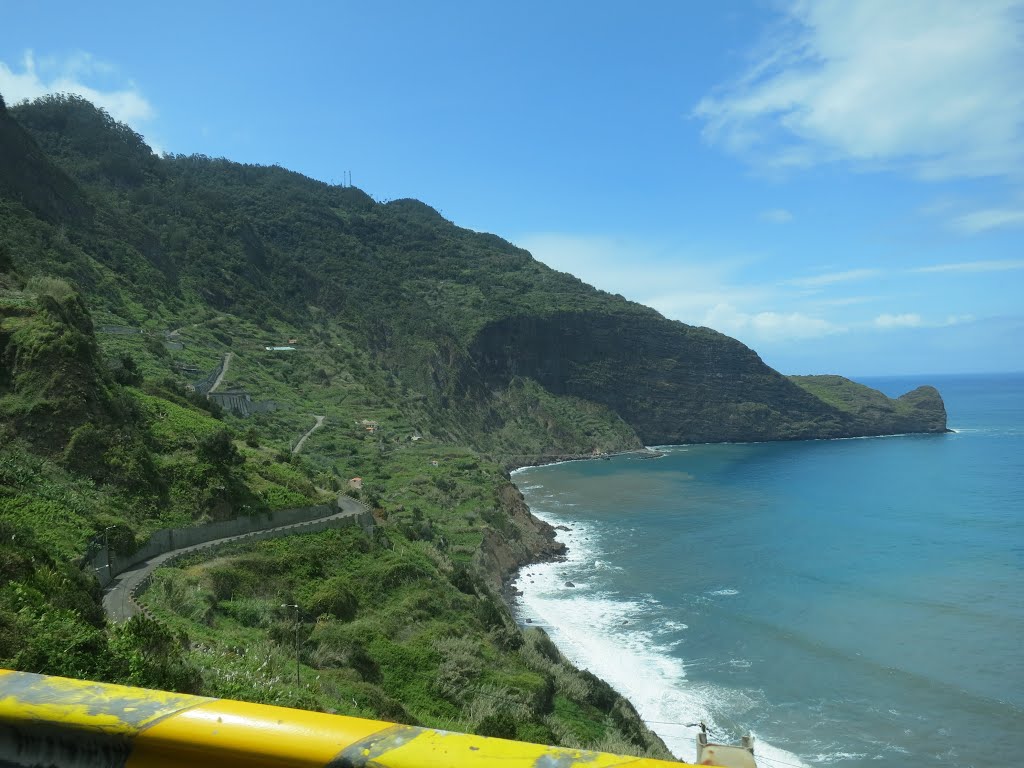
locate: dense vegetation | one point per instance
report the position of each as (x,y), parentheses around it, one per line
(438,358)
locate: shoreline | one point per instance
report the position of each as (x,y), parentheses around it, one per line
(627,641)
(557,551)
(545,461)
(680,748)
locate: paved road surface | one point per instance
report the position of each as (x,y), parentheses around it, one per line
(117,601)
(223,370)
(298,445)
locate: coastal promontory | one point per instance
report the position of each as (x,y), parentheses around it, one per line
(185,340)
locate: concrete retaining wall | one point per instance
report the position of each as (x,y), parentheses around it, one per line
(167,539)
(364,519)
(205,384)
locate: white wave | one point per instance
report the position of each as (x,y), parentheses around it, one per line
(725,592)
(673,626)
(827,758)
(773,757)
(609,634)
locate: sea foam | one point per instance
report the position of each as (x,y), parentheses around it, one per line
(616,637)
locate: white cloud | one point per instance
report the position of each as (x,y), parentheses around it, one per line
(683,285)
(669,279)
(700,288)
(50,75)
(834,277)
(907,320)
(959,319)
(777,216)
(767,326)
(914,320)
(937,85)
(993,265)
(991,218)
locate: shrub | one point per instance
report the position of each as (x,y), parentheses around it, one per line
(535,732)
(538,640)
(143,652)
(52,287)
(334,597)
(500,725)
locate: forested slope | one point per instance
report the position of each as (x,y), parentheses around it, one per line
(438,358)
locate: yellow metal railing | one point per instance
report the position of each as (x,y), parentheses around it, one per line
(54,721)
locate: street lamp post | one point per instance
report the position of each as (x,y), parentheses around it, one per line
(298,682)
(106,541)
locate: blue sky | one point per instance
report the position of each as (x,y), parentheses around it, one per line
(839,184)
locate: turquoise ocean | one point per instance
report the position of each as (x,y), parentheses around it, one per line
(849,602)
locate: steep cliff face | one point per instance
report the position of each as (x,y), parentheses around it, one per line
(869,412)
(927,410)
(673,383)
(28,176)
(470,324)
(528,540)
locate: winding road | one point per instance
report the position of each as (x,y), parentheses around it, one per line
(117,599)
(223,370)
(298,445)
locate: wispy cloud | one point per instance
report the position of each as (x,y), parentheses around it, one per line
(934,85)
(673,280)
(907,320)
(686,284)
(777,216)
(845,301)
(768,326)
(681,285)
(959,319)
(993,265)
(35,78)
(914,320)
(834,277)
(990,218)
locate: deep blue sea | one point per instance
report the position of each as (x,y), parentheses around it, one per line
(847,601)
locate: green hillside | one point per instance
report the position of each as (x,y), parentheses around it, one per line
(437,357)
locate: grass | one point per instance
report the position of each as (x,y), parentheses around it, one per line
(401,642)
(400,626)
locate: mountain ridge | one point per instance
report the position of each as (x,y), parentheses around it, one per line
(433,358)
(454,314)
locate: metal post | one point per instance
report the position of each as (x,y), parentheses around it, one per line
(106,542)
(298,681)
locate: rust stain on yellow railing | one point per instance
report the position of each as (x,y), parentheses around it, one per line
(63,722)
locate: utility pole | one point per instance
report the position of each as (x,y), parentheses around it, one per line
(298,682)
(106,542)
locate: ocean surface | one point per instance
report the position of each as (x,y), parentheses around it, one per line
(849,602)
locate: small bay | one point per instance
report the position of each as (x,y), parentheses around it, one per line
(847,601)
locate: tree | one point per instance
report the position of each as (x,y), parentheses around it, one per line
(128,373)
(219,450)
(145,653)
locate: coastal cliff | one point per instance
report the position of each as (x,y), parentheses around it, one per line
(495,349)
(675,383)
(433,358)
(528,540)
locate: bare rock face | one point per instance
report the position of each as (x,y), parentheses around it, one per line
(527,539)
(675,383)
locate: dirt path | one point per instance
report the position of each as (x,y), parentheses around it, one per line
(223,370)
(298,445)
(117,600)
